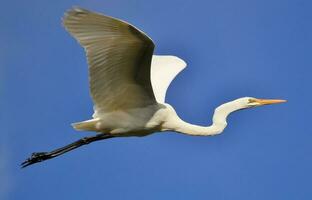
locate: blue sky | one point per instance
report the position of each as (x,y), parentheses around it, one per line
(233,49)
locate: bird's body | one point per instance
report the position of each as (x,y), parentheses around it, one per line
(128,84)
(131,122)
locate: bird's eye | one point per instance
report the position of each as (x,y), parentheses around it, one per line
(251,100)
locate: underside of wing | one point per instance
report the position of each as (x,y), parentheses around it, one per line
(163,70)
(119,57)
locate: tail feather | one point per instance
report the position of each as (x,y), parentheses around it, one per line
(88,125)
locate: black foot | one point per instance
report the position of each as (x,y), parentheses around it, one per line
(41,156)
(36,157)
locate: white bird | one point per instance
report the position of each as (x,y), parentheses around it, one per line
(128,84)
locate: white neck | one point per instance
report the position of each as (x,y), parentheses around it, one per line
(218,125)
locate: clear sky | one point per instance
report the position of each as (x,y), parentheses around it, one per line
(259,48)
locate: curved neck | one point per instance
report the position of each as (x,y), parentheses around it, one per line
(218,125)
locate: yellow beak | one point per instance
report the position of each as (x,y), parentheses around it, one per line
(269,101)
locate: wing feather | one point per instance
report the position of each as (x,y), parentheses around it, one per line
(119,58)
(163,70)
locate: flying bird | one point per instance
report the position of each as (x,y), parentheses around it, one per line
(128,84)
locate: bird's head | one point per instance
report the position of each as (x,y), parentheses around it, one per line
(249,102)
(221,112)
(242,103)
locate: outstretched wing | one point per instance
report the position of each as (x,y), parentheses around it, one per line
(119,57)
(163,70)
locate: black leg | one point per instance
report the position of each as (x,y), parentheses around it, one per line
(41,156)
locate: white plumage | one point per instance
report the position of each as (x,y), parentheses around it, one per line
(128,84)
(163,70)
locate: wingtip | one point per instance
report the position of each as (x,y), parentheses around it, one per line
(183,63)
(79,9)
(74,11)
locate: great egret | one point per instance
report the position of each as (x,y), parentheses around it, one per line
(128,84)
